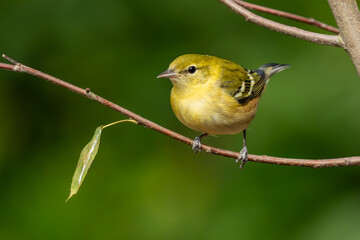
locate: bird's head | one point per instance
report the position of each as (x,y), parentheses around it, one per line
(191,69)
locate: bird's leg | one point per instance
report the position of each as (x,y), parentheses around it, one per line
(197,143)
(243,156)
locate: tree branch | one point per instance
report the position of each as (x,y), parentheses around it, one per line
(335,162)
(310,21)
(324,39)
(347,16)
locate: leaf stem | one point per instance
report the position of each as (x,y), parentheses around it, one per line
(120,121)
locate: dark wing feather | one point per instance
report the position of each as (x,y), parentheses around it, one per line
(242,84)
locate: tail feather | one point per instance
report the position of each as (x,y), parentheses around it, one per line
(272,68)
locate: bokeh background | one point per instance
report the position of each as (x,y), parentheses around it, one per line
(144,185)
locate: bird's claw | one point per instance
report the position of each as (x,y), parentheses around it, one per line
(197,144)
(243,157)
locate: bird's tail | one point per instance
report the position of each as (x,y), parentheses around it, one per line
(272,68)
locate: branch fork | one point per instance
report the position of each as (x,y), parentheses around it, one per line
(240,8)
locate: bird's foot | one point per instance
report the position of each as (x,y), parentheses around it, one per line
(243,157)
(197,144)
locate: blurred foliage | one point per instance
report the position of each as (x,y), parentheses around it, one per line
(144,185)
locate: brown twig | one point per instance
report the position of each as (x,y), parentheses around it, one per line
(324,39)
(310,21)
(335,162)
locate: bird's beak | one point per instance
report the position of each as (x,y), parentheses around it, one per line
(170,73)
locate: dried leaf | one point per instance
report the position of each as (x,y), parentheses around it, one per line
(87,156)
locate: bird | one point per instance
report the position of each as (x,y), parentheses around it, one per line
(215,96)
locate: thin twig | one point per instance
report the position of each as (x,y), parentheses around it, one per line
(335,162)
(324,39)
(310,21)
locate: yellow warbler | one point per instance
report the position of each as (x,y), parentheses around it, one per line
(216,96)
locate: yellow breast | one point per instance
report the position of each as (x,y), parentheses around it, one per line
(211,110)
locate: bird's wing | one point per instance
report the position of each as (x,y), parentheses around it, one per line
(243,84)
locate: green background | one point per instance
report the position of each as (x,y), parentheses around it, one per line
(142,184)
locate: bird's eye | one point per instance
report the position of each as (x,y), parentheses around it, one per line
(192,69)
